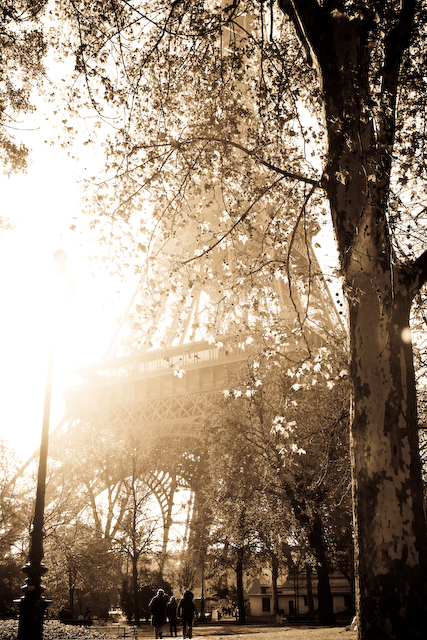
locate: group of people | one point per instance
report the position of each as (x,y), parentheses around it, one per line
(162,607)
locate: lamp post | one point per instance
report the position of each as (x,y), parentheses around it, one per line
(32,605)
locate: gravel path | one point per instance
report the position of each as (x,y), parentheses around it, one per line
(56,631)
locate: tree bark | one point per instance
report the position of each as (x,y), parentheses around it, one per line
(312,524)
(389,520)
(274,578)
(71,588)
(326,605)
(387,490)
(135,590)
(310,600)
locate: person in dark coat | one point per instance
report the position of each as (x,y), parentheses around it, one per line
(157,607)
(187,609)
(171,611)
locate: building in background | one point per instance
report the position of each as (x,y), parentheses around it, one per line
(293,596)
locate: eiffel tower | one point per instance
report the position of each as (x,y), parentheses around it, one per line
(158,387)
(160,391)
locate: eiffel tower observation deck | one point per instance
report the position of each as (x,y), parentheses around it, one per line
(160,389)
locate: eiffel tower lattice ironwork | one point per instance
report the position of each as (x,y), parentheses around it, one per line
(147,389)
(144,391)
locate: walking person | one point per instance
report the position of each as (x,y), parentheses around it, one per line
(187,609)
(157,607)
(171,612)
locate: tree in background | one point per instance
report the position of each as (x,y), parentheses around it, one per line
(186,576)
(100,579)
(67,559)
(150,581)
(10,522)
(83,571)
(111,508)
(273,529)
(98,468)
(136,534)
(312,438)
(16,495)
(10,585)
(231,490)
(127,599)
(293,427)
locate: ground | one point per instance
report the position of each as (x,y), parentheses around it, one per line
(56,631)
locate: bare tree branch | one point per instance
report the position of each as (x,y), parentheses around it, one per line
(241,219)
(308,19)
(419,271)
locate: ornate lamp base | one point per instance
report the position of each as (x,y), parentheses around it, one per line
(32,605)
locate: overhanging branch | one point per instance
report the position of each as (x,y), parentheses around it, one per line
(286,174)
(396,41)
(308,18)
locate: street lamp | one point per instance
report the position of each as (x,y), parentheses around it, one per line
(32,605)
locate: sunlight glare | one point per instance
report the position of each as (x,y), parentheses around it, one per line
(41,204)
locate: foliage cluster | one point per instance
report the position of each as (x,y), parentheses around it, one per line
(10,582)
(99,524)
(22,49)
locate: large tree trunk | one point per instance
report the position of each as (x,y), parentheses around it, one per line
(274,578)
(310,600)
(388,496)
(390,528)
(135,590)
(71,588)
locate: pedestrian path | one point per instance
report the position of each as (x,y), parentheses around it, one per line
(220,630)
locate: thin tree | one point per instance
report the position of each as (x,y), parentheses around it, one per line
(136,533)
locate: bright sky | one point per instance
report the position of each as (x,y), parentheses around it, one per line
(42,204)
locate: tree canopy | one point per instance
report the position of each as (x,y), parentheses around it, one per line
(237,126)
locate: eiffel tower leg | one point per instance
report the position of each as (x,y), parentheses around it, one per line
(164,486)
(167,519)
